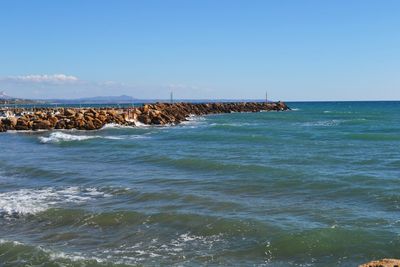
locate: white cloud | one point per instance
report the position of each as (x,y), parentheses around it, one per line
(43,78)
(68,86)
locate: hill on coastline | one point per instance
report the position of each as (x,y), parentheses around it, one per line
(9,100)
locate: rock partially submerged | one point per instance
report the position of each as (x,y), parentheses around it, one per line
(149,114)
(382,263)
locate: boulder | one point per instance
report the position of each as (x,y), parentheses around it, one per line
(10,121)
(89,125)
(112,112)
(94,112)
(157,120)
(61,124)
(39,114)
(41,125)
(102,118)
(120,119)
(70,124)
(79,116)
(80,124)
(144,119)
(98,123)
(53,120)
(23,123)
(90,114)
(69,112)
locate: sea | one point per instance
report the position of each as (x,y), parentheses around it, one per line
(315,186)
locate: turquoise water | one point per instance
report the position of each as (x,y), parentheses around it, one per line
(316,186)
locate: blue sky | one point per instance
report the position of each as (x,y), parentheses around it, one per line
(297,50)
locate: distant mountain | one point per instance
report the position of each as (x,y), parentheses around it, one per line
(109,99)
(3,96)
(9,100)
(122,99)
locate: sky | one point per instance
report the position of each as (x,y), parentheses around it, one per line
(297,50)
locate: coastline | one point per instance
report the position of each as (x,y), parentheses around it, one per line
(23,119)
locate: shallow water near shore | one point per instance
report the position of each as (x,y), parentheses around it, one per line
(316,186)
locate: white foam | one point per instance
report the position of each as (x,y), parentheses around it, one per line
(194,121)
(54,255)
(338,112)
(72,256)
(327,123)
(56,137)
(113,137)
(195,118)
(141,252)
(32,201)
(15,243)
(119,126)
(116,125)
(137,124)
(188,237)
(140,124)
(123,137)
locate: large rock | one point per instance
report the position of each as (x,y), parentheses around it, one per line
(112,112)
(23,123)
(53,120)
(41,125)
(69,112)
(61,124)
(382,263)
(90,126)
(144,119)
(80,124)
(98,123)
(10,121)
(102,118)
(79,116)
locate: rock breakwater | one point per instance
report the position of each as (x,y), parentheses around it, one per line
(148,114)
(382,263)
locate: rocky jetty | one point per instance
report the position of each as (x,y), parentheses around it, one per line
(96,118)
(382,263)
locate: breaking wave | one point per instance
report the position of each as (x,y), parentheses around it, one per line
(57,137)
(32,201)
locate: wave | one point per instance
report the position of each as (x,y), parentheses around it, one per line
(125,255)
(137,124)
(338,245)
(194,121)
(57,137)
(116,125)
(338,112)
(21,254)
(325,123)
(33,201)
